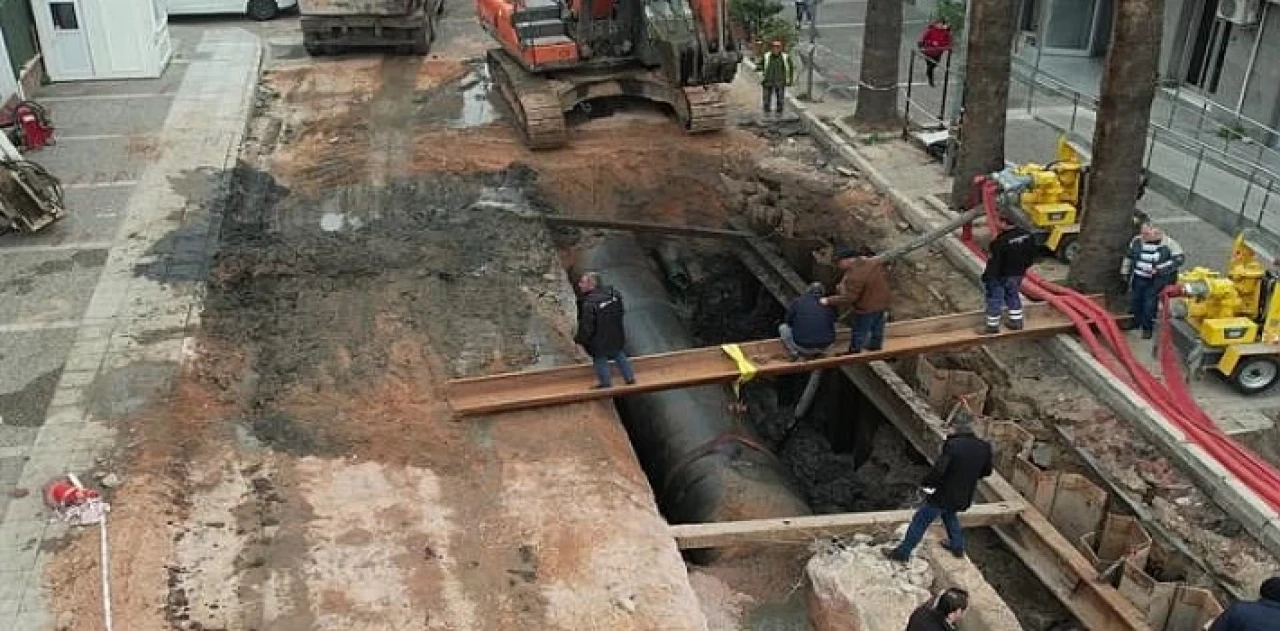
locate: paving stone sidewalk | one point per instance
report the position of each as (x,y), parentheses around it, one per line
(98,309)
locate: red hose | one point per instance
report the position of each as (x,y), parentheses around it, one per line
(1170,395)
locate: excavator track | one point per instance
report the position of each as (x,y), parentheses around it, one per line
(707,110)
(531,100)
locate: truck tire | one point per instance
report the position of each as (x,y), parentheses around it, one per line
(1255,374)
(1068,249)
(262,10)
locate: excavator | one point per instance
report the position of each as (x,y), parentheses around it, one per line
(558,55)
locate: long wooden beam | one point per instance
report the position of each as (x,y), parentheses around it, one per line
(641,226)
(810,527)
(701,366)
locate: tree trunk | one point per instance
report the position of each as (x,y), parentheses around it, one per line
(1119,144)
(877,106)
(986,95)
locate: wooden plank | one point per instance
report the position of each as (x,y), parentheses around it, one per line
(666,371)
(810,527)
(640,226)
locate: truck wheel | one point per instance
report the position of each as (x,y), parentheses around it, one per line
(1255,374)
(1068,249)
(262,10)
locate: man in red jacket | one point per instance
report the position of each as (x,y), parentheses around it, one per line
(934,42)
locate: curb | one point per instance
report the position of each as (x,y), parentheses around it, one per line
(1242,504)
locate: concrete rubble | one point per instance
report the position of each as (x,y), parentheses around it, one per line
(855,588)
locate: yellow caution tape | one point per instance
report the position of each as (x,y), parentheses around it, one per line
(746,369)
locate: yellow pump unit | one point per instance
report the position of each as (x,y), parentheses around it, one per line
(1051,202)
(1236,315)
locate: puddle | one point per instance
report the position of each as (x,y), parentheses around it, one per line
(477,110)
(334,222)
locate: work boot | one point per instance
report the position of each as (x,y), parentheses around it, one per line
(1014,325)
(852,351)
(631,382)
(602,386)
(955,552)
(989,329)
(1146,335)
(893,554)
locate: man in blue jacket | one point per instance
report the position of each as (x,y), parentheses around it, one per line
(809,327)
(1260,615)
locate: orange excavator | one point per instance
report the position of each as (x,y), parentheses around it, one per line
(558,55)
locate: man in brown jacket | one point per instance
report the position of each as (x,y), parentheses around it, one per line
(864,291)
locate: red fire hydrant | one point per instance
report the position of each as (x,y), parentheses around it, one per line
(34,125)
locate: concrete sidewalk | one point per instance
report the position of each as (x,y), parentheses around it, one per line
(97,309)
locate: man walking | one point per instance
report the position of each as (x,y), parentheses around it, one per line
(934,42)
(949,487)
(600,331)
(1151,263)
(943,613)
(804,13)
(1012,253)
(864,290)
(1260,615)
(809,326)
(778,75)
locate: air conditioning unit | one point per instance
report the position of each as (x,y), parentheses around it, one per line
(1244,12)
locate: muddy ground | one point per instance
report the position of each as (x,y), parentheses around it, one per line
(382,238)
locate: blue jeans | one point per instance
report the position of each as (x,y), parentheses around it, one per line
(775,94)
(1144,301)
(1001,293)
(601,365)
(920,522)
(866,331)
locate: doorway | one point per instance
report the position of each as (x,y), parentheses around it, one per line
(1209,38)
(71,58)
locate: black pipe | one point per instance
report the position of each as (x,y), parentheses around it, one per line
(703,464)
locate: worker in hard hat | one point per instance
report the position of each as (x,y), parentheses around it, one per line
(1012,253)
(779,74)
(864,291)
(1150,264)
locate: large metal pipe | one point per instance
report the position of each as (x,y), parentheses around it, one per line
(703,464)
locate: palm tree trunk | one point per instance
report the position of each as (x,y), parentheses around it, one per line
(986,95)
(1119,144)
(877,106)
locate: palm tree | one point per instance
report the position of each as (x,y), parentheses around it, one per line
(877,106)
(1119,144)
(986,94)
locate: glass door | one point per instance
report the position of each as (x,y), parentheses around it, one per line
(1071,27)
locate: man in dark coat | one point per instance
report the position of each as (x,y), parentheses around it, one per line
(809,327)
(600,331)
(1013,251)
(942,613)
(949,487)
(1260,615)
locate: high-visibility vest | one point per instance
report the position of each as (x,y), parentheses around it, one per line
(786,64)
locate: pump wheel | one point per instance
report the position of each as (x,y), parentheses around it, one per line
(1068,249)
(262,10)
(1255,374)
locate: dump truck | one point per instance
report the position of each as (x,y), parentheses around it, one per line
(333,26)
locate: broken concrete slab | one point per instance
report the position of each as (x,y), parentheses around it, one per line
(987,610)
(853,587)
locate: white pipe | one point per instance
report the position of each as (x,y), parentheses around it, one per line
(1253,56)
(106,572)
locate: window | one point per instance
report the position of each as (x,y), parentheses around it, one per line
(64,16)
(158,12)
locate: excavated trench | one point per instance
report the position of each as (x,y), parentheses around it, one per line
(840,456)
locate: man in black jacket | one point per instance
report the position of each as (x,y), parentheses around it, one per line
(942,613)
(949,487)
(809,327)
(1013,251)
(1260,615)
(600,331)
